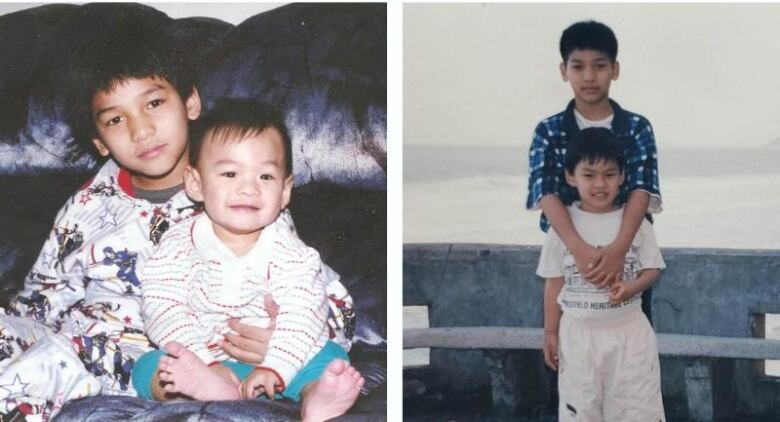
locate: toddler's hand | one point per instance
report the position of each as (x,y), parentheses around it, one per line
(261,379)
(550,349)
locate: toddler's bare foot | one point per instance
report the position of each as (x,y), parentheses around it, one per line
(188,375)
(334,393)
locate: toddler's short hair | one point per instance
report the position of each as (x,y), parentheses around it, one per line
(588,35)
(238,119)
(592,145)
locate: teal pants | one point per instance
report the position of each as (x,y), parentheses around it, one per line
(146,366)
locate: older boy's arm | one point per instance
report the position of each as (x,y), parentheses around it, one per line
(552,318)
(609,265)
(584,254)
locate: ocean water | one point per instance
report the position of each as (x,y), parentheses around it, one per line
(711,198)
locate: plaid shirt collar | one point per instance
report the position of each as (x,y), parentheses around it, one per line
(619,122)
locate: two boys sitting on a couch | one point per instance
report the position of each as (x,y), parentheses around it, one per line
(79,317)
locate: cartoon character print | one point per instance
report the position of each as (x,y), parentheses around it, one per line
(125,260)
(344,316)
(50,283)
(68,240)
(6,348)
(95,351)
(101,311)
(158,223)
(37,306)
(103,189)
(7,345)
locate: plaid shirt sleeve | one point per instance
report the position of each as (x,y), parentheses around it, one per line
(545,166)
(642,159)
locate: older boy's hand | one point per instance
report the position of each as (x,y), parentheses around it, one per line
(607,267)
(260,381)
(249,343)
(584,257)
(550,349)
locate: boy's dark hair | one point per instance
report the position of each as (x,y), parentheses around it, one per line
(238,119)
(117,42)
(588,35)
(592,145)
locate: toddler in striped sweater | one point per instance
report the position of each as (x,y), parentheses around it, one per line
(224,263)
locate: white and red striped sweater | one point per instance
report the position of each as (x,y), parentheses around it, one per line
(194,283)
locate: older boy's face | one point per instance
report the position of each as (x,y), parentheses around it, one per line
(598,184)
(242,183)
(590,74)
(142,124)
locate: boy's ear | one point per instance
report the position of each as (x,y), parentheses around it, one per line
(563,71)
(193,104)
(622,177)
(615,70)
(287,191)
(101,147)
(570,179)
(192,184)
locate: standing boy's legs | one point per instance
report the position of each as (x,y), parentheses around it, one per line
(632,389)
(609,370)
(579,374)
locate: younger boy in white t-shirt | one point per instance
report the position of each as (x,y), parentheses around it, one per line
(598,338)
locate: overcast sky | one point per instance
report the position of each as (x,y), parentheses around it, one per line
(704,74)
(234,13)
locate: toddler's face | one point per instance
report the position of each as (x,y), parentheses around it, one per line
(598,184)
(242,183)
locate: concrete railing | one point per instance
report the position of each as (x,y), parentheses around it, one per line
(531,338)
(485,312)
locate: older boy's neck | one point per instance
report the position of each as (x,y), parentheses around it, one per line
(598,111)
(173,178)
(156,184)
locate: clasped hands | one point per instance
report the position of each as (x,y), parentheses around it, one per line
(603,267)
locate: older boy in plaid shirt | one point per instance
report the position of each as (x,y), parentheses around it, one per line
(589,53)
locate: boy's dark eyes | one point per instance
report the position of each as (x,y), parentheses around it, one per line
(266,177)
(114,121)
(228,174)
(156,103)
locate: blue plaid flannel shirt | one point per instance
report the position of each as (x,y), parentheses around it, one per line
(548,148)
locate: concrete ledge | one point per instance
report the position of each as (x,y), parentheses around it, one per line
(531,338)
